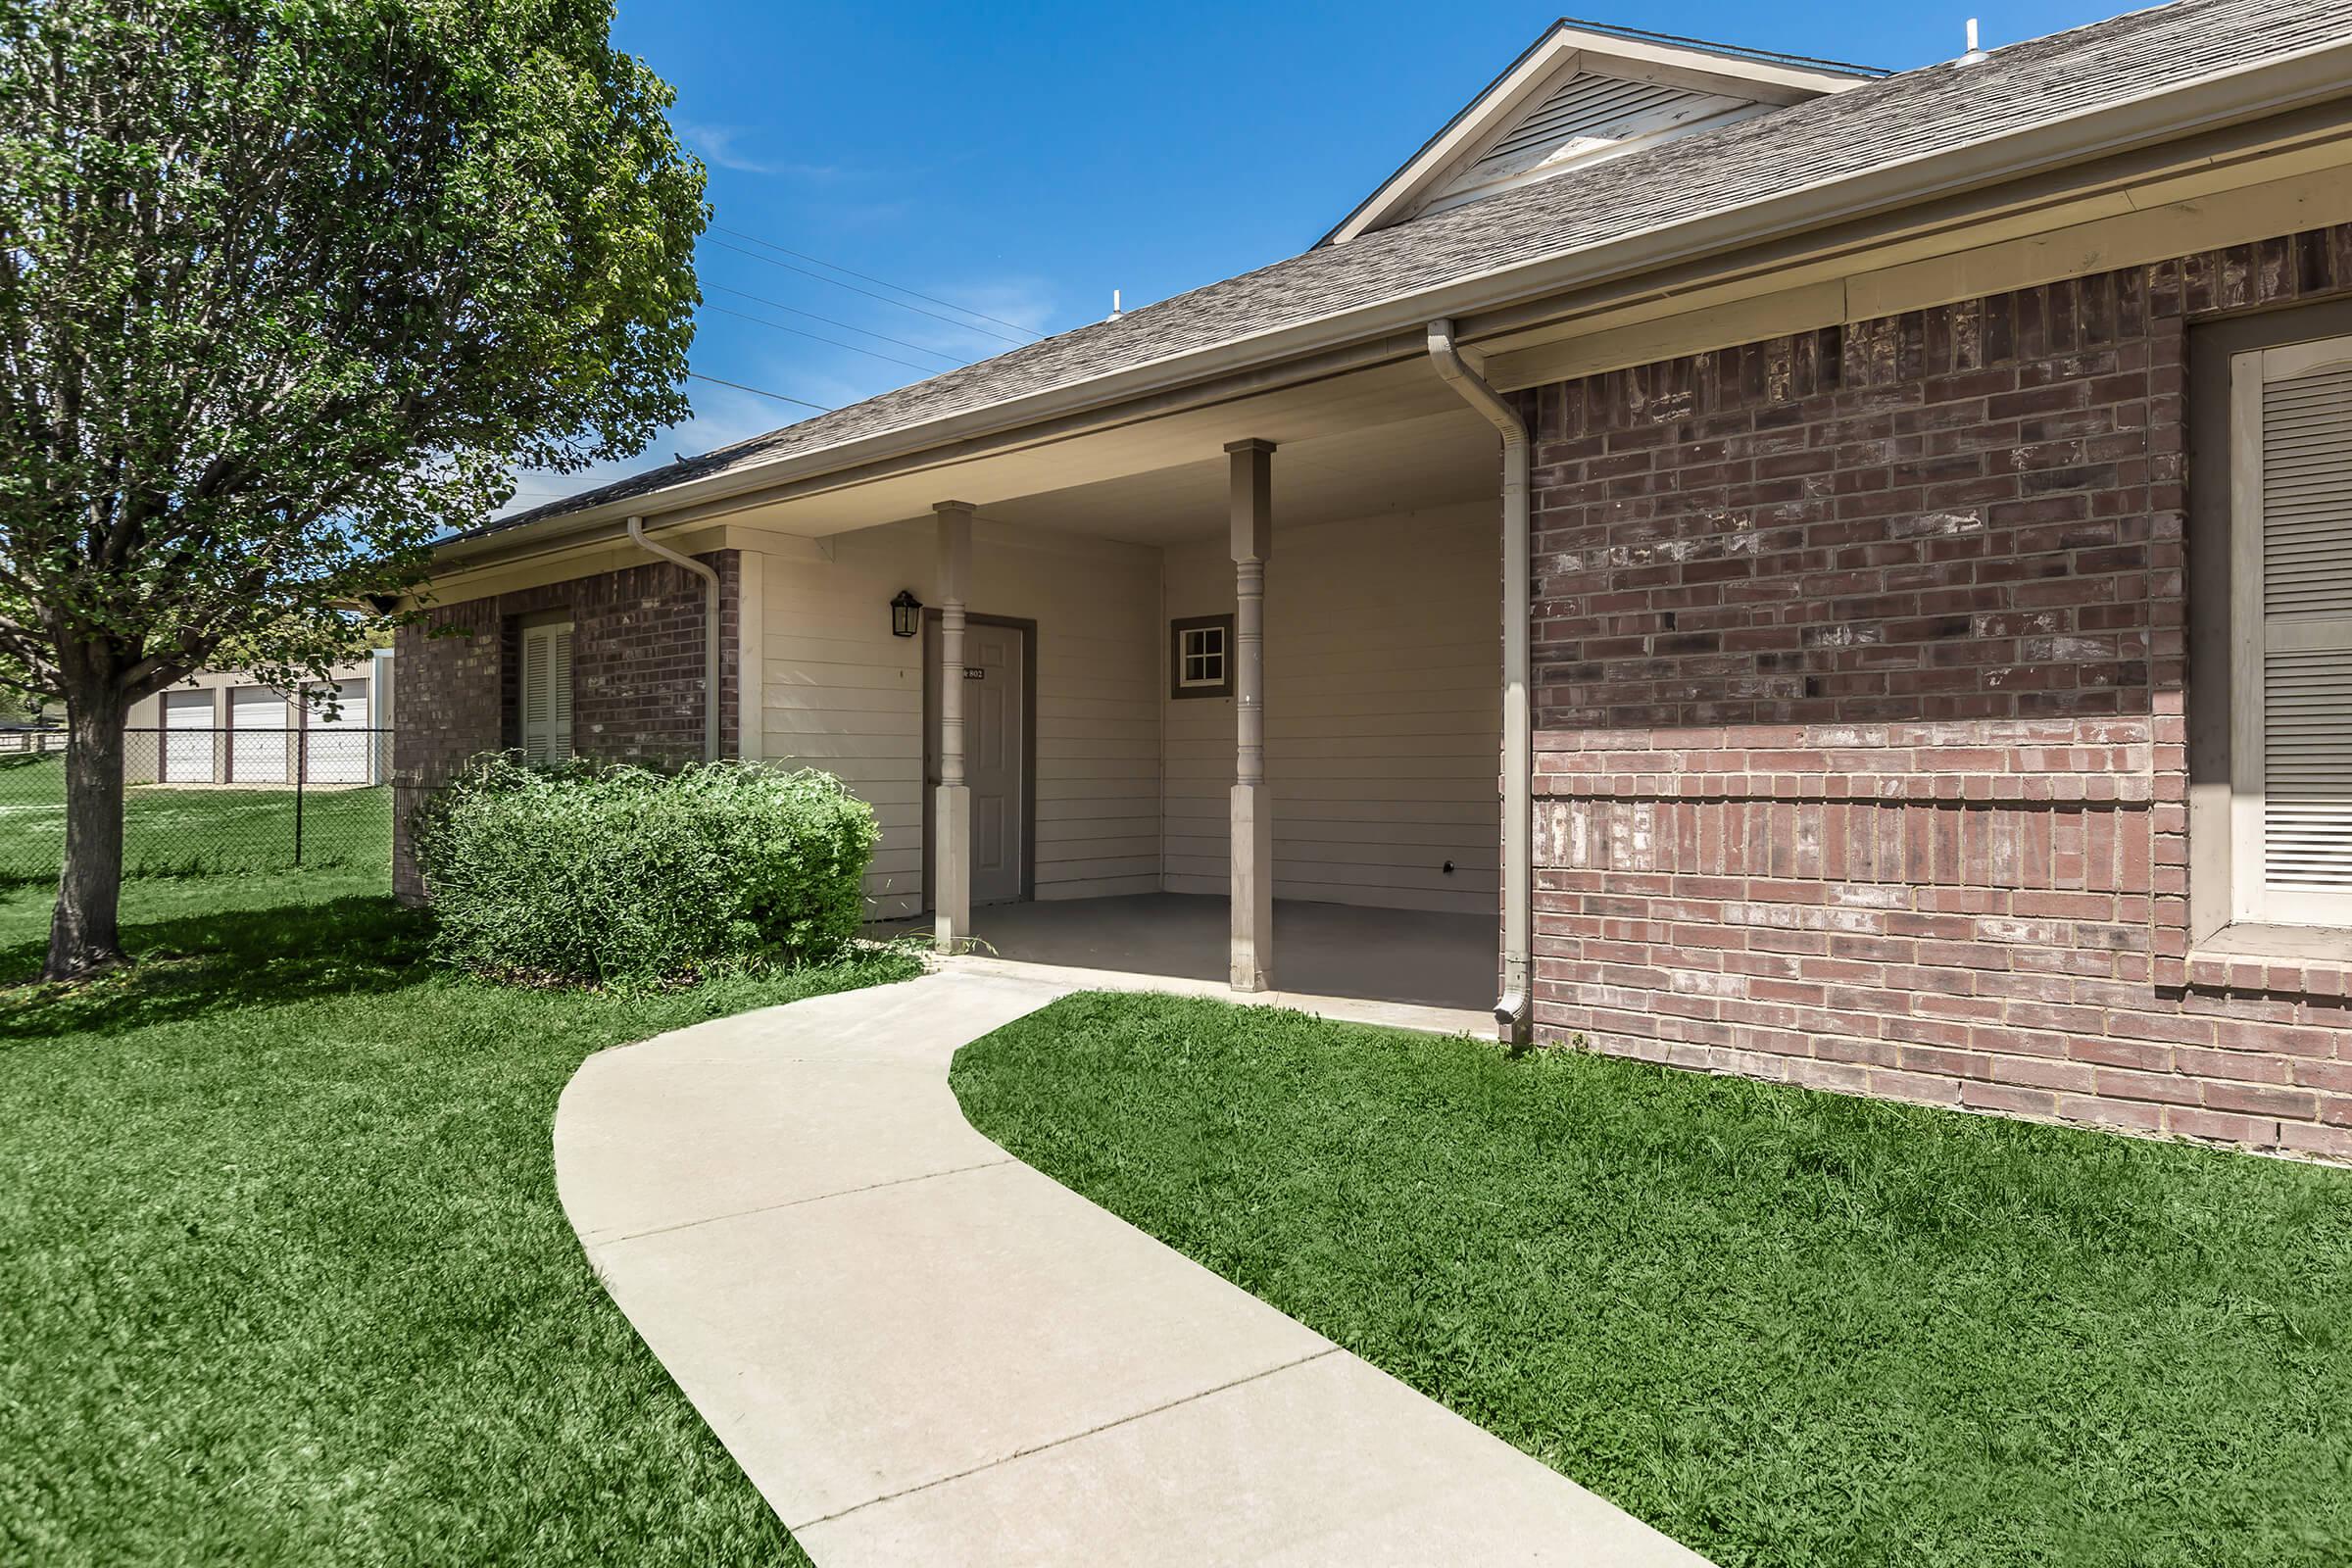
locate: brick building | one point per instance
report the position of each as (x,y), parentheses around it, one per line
(1922,528)
(631,683)
(1862,711)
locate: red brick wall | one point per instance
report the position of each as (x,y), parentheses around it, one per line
(1861,670)
(636,681)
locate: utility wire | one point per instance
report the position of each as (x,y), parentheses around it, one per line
(870,294)
(756,391)
(794,310)
(870,278)
(817,337)
(692,376)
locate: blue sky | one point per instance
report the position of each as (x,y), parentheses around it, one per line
(1024,160)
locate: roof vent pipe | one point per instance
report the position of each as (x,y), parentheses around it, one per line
(1974,54)
(1514,1010)
(1115,312)
(636,531)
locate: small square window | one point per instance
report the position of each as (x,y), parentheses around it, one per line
(1201,657)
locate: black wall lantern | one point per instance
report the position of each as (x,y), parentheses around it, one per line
(906,615)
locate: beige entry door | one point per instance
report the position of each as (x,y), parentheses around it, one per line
(995,751)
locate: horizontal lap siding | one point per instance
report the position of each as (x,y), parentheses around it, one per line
(1382,715)
(843,693)
(1861,671)
(1097,717)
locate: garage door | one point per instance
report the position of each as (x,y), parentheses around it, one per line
(339,750)
(190,755)
(256,741)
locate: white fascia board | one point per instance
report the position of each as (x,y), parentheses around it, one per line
(2310,76)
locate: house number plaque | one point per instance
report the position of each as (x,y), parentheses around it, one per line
(974,672)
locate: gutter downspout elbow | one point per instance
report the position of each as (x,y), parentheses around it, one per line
(1514,1010)
(636,530)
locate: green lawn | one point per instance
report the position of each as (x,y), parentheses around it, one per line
(205,831)
(1788,1328)
(283,1278)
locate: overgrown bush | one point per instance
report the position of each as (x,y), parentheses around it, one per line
(611,875)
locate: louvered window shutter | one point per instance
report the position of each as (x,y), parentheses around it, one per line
(559,694)
(2291,633)
(546,692)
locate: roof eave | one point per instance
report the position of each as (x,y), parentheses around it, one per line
(2274,86)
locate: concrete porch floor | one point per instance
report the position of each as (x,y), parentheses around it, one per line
(1401,966)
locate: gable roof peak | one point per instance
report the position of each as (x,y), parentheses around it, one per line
(1583,91)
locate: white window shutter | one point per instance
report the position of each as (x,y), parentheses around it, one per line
(2292,577)
(534,695)
(546,693)
(559,694)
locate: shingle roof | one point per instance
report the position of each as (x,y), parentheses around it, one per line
(1936,109)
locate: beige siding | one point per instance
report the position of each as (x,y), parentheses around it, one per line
(1383,713)
(839,692)
(142,751)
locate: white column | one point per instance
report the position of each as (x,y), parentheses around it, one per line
(952,829)
(1253,808)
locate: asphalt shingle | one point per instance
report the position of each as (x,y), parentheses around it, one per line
(1935,111)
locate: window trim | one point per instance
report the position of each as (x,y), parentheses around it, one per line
(1178,688)
(2223,591)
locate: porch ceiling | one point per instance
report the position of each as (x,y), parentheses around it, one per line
(1387,439)
(1359,474)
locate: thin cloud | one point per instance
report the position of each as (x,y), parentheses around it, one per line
(721,147)
(722,418)
(1027,303)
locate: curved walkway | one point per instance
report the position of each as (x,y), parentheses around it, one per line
(923,1351)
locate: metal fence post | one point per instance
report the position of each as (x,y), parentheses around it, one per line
(302,772)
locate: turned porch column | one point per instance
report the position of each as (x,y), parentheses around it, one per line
(952,825)
(1252,806)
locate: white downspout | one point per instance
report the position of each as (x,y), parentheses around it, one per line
(1514,1010)
(636,527)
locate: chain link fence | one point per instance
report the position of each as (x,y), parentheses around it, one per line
(203,801)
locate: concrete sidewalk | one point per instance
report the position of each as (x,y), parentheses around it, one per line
(923,1351)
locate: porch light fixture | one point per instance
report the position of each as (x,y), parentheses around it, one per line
(906,615)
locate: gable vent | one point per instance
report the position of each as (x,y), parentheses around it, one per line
(1591,106)
(1587,117)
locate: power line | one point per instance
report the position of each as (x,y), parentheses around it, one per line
(870,294)
(697,375)
(818,337)
(794,310)
(870,278)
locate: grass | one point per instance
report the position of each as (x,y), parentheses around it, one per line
(283,1277)
(1786,1328)
(207,831)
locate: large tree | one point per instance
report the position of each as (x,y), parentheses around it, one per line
(286,287)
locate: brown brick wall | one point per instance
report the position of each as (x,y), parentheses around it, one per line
(1861,671)
(636,680)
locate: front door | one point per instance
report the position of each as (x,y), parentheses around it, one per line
(992,680)
(996,750)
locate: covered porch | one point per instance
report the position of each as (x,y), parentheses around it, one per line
(1412,967)
(1223,711)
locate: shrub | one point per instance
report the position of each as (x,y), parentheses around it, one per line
(611,875)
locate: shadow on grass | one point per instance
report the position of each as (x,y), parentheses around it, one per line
(187,966)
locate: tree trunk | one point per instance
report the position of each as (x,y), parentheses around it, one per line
(84,938)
